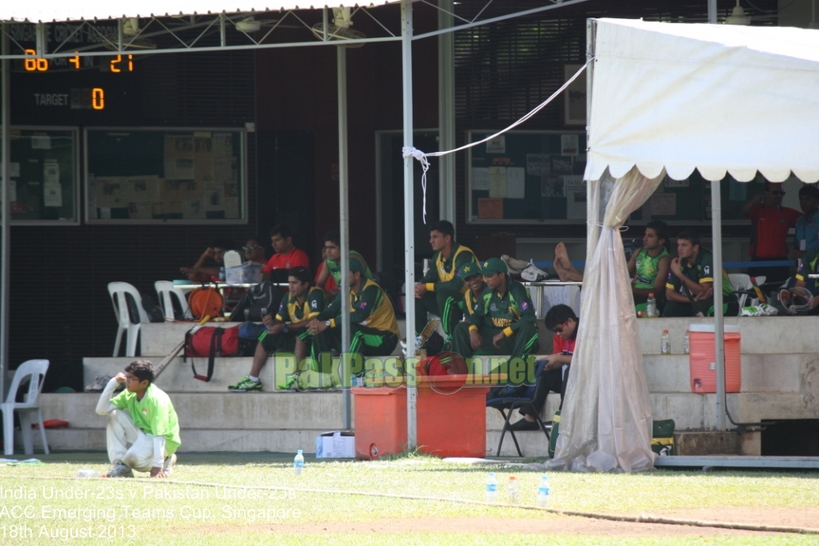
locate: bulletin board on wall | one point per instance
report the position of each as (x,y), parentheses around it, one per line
(526,176)
(44,175)
(136,175)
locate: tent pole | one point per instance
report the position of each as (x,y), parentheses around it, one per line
(5,236)
(409,218)
(343,229)
(712,12)
(719,319)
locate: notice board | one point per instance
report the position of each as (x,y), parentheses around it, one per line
(161,175)
(44,175)
(537,176)
(526,176)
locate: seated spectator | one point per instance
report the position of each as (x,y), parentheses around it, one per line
(373,328)
(649,266)
(504,320)
(207,267)
(561,320)
(807,226)
(254,252)
(286,256)
(689,290)
(440,290)
(810,266)
(472,276)
(770,222)
(301,304)
(332,262)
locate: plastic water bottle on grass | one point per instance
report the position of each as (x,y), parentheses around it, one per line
(543,492)
(491,488)
(512,490)
(88,473)
(298,463)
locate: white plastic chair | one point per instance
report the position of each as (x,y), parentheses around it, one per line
(167,292)
(34,371)
(118,290)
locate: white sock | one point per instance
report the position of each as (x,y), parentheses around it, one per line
(254,379)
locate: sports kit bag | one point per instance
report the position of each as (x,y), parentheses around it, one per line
(249,333)
(263,295)
(205,301)
(211,343)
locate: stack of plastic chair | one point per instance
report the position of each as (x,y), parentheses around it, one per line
(130,318)
(34,372)
(167,293)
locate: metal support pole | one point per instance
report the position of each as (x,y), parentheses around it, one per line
(712,12)
(719,319)
(343,228)
(5,236)
(409,218)
(446,111)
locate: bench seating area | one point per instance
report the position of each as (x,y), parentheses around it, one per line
(780,372)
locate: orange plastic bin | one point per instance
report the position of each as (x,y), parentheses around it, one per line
(701,358)
(448,425)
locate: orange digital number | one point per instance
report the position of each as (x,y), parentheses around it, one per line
(97,98)
(34,64)
(75,61)
(130,63)
(113,64)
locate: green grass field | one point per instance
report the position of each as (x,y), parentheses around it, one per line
(247,499)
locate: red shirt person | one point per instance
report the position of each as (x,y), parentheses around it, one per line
(286,256)
(770,222)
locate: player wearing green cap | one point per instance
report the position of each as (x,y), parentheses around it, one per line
(504,321)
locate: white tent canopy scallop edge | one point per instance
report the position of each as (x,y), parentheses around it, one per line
(716,98)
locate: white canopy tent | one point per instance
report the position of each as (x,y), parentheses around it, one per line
(671,98)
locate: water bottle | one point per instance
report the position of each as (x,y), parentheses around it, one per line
(543,492)
(491,488)
(665,343)
(512,490)
(686,342)
(651,306)
(221,274)
(298,463)
(88,473)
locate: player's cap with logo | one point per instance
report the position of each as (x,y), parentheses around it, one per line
(356,266)
(494,265)
(469,270)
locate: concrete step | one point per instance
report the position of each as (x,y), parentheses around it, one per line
(760,335)
(796,373)
(160,338)
(761,373)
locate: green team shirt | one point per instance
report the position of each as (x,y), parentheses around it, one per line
(647,267)
(701,270)
(293,311)
(370,307)
(443,276)
(335,267)
(153,415)
(508,311)
(470,302)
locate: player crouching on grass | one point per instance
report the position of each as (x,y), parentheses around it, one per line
(143,429)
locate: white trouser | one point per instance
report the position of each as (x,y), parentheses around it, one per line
(127,443)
